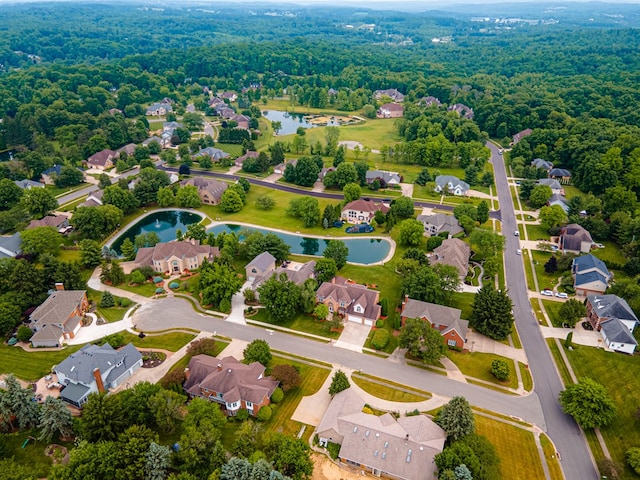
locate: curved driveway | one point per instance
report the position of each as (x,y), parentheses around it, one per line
(576,462)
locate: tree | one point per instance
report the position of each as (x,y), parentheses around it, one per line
(157,462)
(351,192)
(39,202)
(287,375)
(166,197)
(482,212)
(343,174)
(486,243)
(188,197)
(256,242)
(280,298)
(246,438)
(257,351)
(149,182)
(290,456)
(423,177)
(230,202)
(102,418)
(9,317)
(465,209)
(491,314)
(166,407)
(540,195)
(55,419)
(433,243)
(476,453)
(24,333)
(337,251)
(265,202)
(321,312)
(339,382)
(18,402)
(124,199)
(217,282)
(588,403)
(402,207)
(68,177)
(572,311)
(10,194)
(526,187)
(422,341)
(633,459)
(184,166)
(456,419)
(552,265)
(196,231)
(338,158)
(500,369)
(411,232)
(552,216)
(148,239)
(432,284)
(96,222)
(40,241)
(127,248)
(305,208)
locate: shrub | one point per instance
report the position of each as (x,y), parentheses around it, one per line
(567,341)
(277,395)
(107,300)
(205,346)
(384,307)
(633,459)
(264,414)
(225,305)
(500,369)
(173,380)
(287,375)
(137,277)
(333,449)
(116,340)
(242,415)
(24,333)
(380,339)
(379,323)
(125,302)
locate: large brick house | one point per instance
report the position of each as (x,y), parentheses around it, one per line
(102,160)
(362,211)
(444,319)
(575,238)
(354,302)
(230,383)
(174,257)
(615,320)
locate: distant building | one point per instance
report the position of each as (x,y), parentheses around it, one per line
(520,135)
(561,174)
(542,164)
(385,177)
(462,110)
(452,185)
(390,110)
(362,211)
(260,265)
(158,109)
(392,93)
(615,320)
(10,246)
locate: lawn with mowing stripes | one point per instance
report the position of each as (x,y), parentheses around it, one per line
(167,341)
(515,446)
(478,365)
(31,365)
(553,310)
(382,389)
(552,460)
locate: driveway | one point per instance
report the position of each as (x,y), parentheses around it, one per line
(353,337)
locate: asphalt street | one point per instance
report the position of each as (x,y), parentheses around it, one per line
(577,462)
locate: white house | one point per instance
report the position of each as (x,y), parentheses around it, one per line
(451,184)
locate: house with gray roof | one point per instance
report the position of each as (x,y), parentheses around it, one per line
(94,199)
(95,369)
(28,184)
(617,337)
(590,275)
(444,319)
(429,101)
(215,154)
(553,184)
(383,446)
(230,383)
(453,252)
(210,190)
(462,110)
(59,317)
(173,257)
(10,246)
(154,138)
(541,163)
(158,109)
(392,93)
(559,200)
(561,174)
(352,301)
(59,222)
(240,160)
(601,308)
(575,239)
(385,177)
(260,265)
(451,184)
(440,223)
(295,272)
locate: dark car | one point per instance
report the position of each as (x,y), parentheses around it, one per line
(587,326)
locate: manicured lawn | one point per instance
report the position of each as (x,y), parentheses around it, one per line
(300,323)
(478,365)
(552,460)
(570,191)
(611,253)
(384,276)
(167,341)
(527,270)
(425,193)
(538,312)
(619,374)
(69,255)
(537,232)
(562,367)
(111,314)
(393,340)
(515,446)
(371,133)
(386,392)
(545,280)
(527,379)
(231,148)
(146,289)
(515,338)
(31,365)
(68,207)
(61,191)
(553,310)
(463,301)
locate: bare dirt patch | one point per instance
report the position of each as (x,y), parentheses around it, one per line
(325,469)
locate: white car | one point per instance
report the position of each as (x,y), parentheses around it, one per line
(518,252)
(516,233)
(547,293)
(561,295)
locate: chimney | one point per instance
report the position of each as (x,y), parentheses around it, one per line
(60,286)
(219,367)
(186,373)
(98,377)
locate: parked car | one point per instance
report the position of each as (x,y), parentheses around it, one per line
(516,233)
(561,295)
(548,293)
(587,326)
(518,252)
(554,248)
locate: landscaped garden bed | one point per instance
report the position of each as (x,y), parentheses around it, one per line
(151,359)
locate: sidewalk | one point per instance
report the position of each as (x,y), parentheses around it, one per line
(95,283)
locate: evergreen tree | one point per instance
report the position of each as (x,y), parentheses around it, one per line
(157,462)
(339,382)
(128,249)
(55,418)
(483,212)
(552,265)
(491,313)
(107,300)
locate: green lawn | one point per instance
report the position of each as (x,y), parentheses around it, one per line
(232,149)
(167,341)
(515,446)
(425,193)
(31,365)
(527,379)
(300,323)
(562,367)
(478,365)
(545,280)
(619,374)
(527,270)
(32,454)
(570,191)
(56,191)
(387,392)
(463,301)
(553,310)
(69,255)
(146,289)
(611,253)
(552,460)
(537,232)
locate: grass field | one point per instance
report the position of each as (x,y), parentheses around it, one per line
(537,232)
(515,446)
(56,191)
(552,460)
(31,365)
(31,455)
(300,323)
(545,280)
(562,367)
(173,341)
(478,365)
(463,301)
(611,253)
(528,270)
(527,379)
(232,149)
(553,310)
(146,289)
(386,392)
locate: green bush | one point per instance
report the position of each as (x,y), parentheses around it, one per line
(116,340)
(24,333)
(264,414)
(633,459)
(379,323)
(107,300)
(242,415)
(380,339)
(333,449)
(125,302)
(500,369)
(225,305)
(277,395)
(384,307)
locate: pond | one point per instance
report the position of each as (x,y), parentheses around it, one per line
(164,223)
(292,121)
(364,250)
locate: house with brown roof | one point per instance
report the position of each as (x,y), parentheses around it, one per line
(454,252)
(240,160)
(575,239)
(462,110)
(390,110)
(444,319)
(392,93)
(520,135)
(295,272)
(440,223)
(230,383)
(231,96)
(173,257)
(129,149)
(59,317)
(362,211)
(354,302)
(429,101)
(102,160)
(260,265)
(209,189)
(383,446)
(59,222)
(242,121)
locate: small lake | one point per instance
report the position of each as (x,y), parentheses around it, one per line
(361,250)
(164,223)
(292,121)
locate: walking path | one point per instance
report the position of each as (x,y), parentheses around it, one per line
(452,370)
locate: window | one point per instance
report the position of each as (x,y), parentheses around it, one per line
(451,343)
(249,404)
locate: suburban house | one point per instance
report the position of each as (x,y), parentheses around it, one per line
(10,245)
(615,319)
(209,189)
(556,187)
(171,126)
(230,96)
(541,163)
(240,160)
(59,317)
(95,369)
(352,301)
(224,111)
(49,175)
(154,138)
(590,275)
(173,257)
(159,109)
(440,223)
(242,121)
(561,174)
(402,448)
(230,383)
(390,110)
(454,252)
(281,167)
(28,184)
(451,184)
(429,102)
(129,149)
(520,135)
(557,199)
(362,211)
(59,222)
(445,319)
(385,177)
(575,239)
(462,110)
(324,171)
(215,101)
(296,272)
(260,265)
(392,93)
(94,199)
(215,154)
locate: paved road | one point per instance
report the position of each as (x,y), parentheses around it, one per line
(567,436)
(176,312)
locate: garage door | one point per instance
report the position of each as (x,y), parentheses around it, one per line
(368,323)
(354,318)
